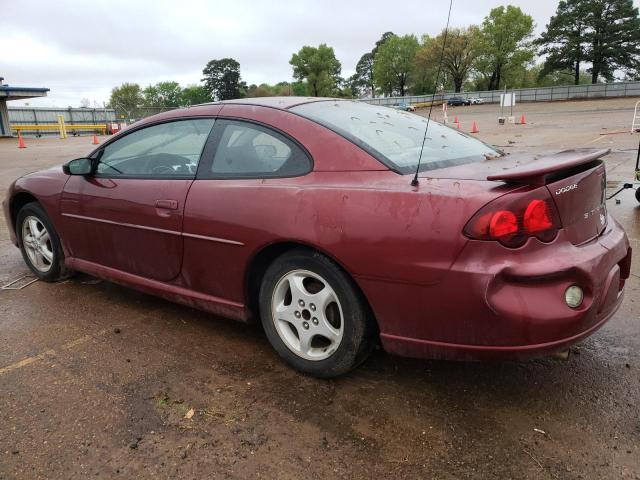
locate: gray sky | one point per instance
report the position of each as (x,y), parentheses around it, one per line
(82,49)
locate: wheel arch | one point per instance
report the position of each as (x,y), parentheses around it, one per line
(19,200)
(265,256)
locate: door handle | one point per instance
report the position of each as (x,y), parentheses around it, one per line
(167,204)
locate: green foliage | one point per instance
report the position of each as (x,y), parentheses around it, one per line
(222,79)
(299,89)
(605,33)
(280,89)
(362,81)
(602,33)
(393,63)
(424,68)
(504,45)
(163,95)
(614,37)
(194,95)
(565,41)
(318,67)
(458,56)
(383,39)
(126,98)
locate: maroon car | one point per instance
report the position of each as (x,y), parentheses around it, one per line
(302,212)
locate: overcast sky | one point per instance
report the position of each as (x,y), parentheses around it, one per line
(82,49)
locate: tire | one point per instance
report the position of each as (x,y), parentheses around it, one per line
(638,194)
(321,341)
(46,260)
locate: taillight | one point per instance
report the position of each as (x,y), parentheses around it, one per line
(537,217)
(503,224)
(514,217)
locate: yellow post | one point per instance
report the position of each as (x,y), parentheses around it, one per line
(63,133)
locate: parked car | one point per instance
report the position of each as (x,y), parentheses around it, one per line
(458,101)
(475,101)
(303,214)
(405,107)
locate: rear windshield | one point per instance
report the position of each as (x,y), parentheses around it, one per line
(394,137)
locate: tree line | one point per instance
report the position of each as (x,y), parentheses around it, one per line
(586,41)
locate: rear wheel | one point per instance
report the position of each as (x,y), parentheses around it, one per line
(638,194)
(313,315)
(39,243)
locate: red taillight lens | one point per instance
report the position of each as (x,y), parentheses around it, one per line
(503,223)
(537,217)
(514,217)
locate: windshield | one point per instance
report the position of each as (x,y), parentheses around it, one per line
(395,137)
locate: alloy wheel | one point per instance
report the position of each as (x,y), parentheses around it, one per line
(307,315)
(36,242)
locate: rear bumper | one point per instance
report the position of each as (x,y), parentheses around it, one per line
(416,348)
(495,303)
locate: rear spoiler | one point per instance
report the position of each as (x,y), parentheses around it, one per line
(535,172)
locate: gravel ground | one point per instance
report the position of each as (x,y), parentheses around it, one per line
(101,381)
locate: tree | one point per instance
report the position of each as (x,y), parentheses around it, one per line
(126,98)
(425,66)
(565,41)
(222,79)
(283,89)
(504,43)
(194,95)
(85,103)
(299,89)
(383,39)
(614,37)
(163,95)
(393,63)
(362,80)
(458,55)
(535,77)
(318,67)
(262,90)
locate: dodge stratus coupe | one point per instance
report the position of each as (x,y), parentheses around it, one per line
(304,214)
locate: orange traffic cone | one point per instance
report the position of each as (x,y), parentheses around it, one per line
(21,143)
(523,121)
(455,119)
(474,127)
(95,140)
(458,125)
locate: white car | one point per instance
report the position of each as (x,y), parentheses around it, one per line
(476,100)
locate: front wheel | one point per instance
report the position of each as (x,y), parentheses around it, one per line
(39,243)
(314,316)
(638,194)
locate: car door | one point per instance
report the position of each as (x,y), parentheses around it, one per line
(128,215)
(244,163)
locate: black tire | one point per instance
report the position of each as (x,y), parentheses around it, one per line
(359,330)
(638,194)
(57,270)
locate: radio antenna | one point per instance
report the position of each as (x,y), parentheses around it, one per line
(415,182)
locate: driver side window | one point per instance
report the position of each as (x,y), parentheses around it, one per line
(166,150)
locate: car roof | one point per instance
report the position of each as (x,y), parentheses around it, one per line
(283,103)
(212,108)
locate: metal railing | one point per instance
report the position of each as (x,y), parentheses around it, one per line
(538,94)
(48,118)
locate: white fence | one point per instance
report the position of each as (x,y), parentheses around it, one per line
(539,94)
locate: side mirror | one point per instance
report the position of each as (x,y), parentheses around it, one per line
(79,166)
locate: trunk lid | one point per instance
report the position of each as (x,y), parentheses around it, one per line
(576,180)
(580,199)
